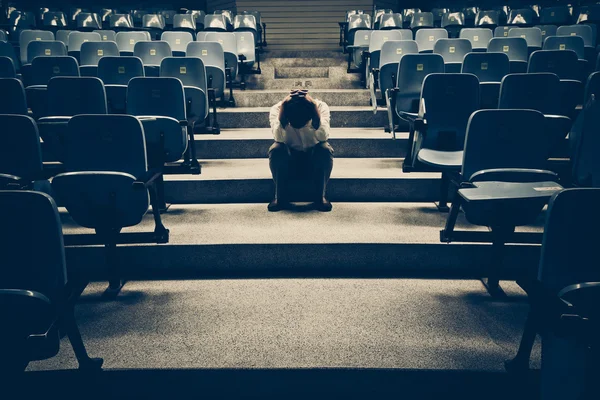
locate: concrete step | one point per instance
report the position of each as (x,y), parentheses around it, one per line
(333,97)
(295,72)
(337,78)
(254,143)
(306,62)
(341,116)
(355,239)
(352,180)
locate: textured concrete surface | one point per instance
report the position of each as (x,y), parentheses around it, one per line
(301,72)
(324,323)
(333,97)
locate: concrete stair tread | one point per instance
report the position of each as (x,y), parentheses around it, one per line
(335,133)
(285,91)
(237,110)
(348,223)
(343,168)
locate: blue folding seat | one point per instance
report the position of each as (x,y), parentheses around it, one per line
(487,19)
(437,131)
(213,57)
(407,16)
(502,31)
(126,41)
(391,53)
(62,35)
(72,16)
(198,18)
(92,52)
(119,22)
(55,20)
(247,55)
(115,73)
(42,48)
(7,68)
(42,70)
(201,36)
(215,23)
(357,26)
(426,38)
(479,37)
(390,21)
(107,35)
(559,15)
(516,50)
(589,39)
(229,43)
(76,39)
(547,30)
(438,13)
(453,51)
(355,50)
(502,13)
(521,17)
(470,13)
(28,36)
(405,34)
(185,23)
(532,35)
(489,68)
(88,22)
(228,14)
(247,23)
(18,22)
(453,22)
(37,298)
(67,97)
(261,26)
(378,15)
(152,54)
(592,87)
(178,41)
(154,24)
(13,100)
(168,17)
(421,20)
(137,17)
(104,15)
(378,38)
(575,43)
(108,189)
(7,50)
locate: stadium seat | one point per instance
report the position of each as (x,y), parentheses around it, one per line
(407,16)
(426,38)
(503,183)
(378,38)
(391,53)
(76,39)
(55,20)
(92,52)
(62,35)
(355,50)
(469,15)
(559,15)
(168,17)
(88,22)
(229,43)
(453,51)
(178,41)
(213,57)
(502,31)
(137,17)
(489,68)
(583,138)
(7,50)
(592,87)
(119,22)
(104,15)
(107,35)
(487,19)
(67,97)
(247,23)
(37,297)
(115,73)
(72,16)
(228,14)
(247,55)
(198,18)
(357,25)
(215,23)
(438,13)
(126,41)
(547,30)
(421,20)
(28,36)
(521,17)
(390,21)
(575,43)
(405,34)
(532,35)
(502,13)
(41,48)
(437,132)
(479,37)
(19,21)
(154,24)
(262,27)
(201,36)
(453,22)
(152,54)
(107,189)
(7,68)
(588,36)
(377,15)
(516,50)
(185,23)
(561,63)
(13,100)
(404,98)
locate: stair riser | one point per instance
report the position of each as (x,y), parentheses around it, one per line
(338,190)
(306,62)
(301,72)
(251,98)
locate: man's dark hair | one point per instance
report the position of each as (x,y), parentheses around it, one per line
(299,111)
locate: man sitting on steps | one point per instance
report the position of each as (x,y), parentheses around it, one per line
(300,126)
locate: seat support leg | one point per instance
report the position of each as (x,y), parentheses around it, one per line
(442,206)
(492,281)
(85,361)
(229,76)
(520,363)
(115,283)
(446,233)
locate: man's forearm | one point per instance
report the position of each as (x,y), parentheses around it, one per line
(316,119)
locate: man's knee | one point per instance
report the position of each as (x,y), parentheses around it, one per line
(323,153)
(278,150)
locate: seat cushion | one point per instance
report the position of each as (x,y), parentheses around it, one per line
(442,160)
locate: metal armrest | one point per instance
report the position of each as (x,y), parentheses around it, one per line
(20,296)
(519,175)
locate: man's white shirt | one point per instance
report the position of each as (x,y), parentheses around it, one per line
(304,138)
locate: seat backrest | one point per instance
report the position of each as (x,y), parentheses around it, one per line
(592,86)
(210,52)
(359,21)
(55,18)
(62,35)
(186,21)
(393,50)
(582,30)
(514,47)
(408,13)
(152,53)
(89,20)
(448,100)
(405,34)
(7,50)
(559,15)
(488,67)
(574,43)
(7,67)
(20,151)
(390,21)
(562,63)
(412,70)
(569,246)
(137,17)
(532,35)
(28,36)
(163,96)
(479,37)
(68,96)
(126,40)
(33,259)
(438,13)
(92,52)
(107,35)
(362,38)
(45,48)
(155,21)
(547,30)
(245,21)
(535,91)
(189,70)
(226,39)
(245,44)
(453,18)
(505,139)
(119,70)
(421,19)
(215,22)
(121,21)
(118,143)
(168,16)
(198,17)
(426,38)
(13,100)
(452,50)
(76,39)
(45,68)
(177,40)
(521,16)
(502,31)
(488,18)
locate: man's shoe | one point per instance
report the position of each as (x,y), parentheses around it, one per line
(323,205)
(277,205)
